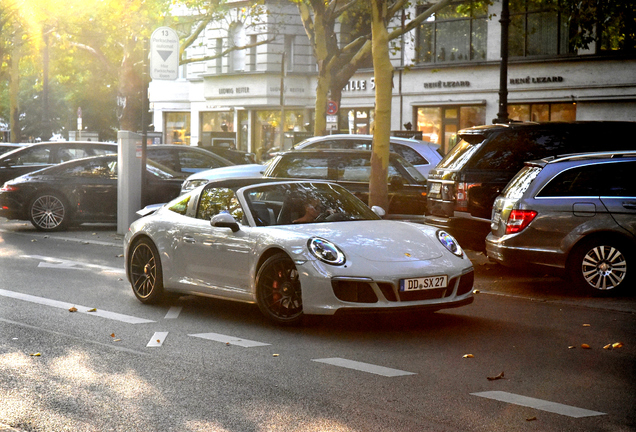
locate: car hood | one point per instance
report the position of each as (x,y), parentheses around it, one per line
(379,241)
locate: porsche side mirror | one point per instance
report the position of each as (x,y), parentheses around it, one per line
(224,220)
(378,210)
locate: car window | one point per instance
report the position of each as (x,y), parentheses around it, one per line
(609,179)
(99,151)
(458,156)
(88,169)
(520,182)
(355,169)
(508,151)
(66,154)
(164,157)
(32,156)
(181,206)
(219,200)
(193,161)
(313,167)
(409,154)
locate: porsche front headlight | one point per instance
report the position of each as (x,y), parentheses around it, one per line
(326,251)
(450,243)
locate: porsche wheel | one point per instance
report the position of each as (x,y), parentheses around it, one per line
(49,212)
(601,266)
(146,275)
(278,292)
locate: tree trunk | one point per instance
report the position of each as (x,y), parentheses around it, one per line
(130,88)
(383,72)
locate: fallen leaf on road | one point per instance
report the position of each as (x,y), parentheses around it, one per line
(531,419)
(33,240)
(476,291)
(275,355)
(585,346)
(92,310)
(468,356)
(500,376)
(617,345)
(112,335)
(116,340)
(35,355)
(119,256)
(586,325)
(571,347)
(73,309)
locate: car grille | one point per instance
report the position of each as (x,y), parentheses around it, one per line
(362,292)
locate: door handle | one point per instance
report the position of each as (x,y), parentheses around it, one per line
(188,239)
(631,205)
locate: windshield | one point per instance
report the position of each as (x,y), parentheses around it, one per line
(293,203)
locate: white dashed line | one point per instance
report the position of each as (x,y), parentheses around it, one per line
(80,309)
(231,340)
(364,367)
(173,312)
(157,339)
(539,404)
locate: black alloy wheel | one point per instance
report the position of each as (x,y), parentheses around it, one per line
(146,275)
(49,212)
(278,292)
(601,266)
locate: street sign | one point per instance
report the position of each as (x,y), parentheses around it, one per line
(332,107)
(164,54)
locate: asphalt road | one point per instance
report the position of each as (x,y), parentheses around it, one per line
(196,364)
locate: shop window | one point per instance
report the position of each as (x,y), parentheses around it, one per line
(177,128)
(440,124)
(357,120)
(237,39)
(457,33)
(543,112)
(538,28)
(267,139)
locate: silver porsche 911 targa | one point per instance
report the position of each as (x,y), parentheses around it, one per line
(293,248)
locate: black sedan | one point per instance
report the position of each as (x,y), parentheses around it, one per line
(79,191)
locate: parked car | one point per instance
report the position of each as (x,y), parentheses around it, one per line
(7,147)
(574,213)
(185,160)
(41,155)
(234,171)
(464,185)
(423,155)
(289,270)
(78,191)
(352,169)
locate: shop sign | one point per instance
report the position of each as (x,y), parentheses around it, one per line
(360,85)
(446,84)
(233,90)
(536,80)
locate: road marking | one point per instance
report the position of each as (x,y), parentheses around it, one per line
(173,312)
(51,262)
(80,309)
(157,339)
(230,340)
(364,367)
(539,404)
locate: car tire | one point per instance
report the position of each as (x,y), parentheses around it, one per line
(278,292)
(602,266)
(146,274)
(49,211)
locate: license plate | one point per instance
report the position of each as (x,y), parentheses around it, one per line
(436,188)
(423,283)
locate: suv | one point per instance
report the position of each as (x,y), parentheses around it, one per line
(423,155)
(185,160)
(574,213)
(352,169)
(37,156)
(464,185)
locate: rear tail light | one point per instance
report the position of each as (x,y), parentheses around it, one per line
(519,220)
(461,195)
(8,188)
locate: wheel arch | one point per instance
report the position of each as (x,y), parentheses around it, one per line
(596,237)
(265,255)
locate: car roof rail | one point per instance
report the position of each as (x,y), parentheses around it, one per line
(591,155)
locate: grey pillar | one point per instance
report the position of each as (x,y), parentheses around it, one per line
(128,179)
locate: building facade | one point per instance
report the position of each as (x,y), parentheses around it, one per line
(446,77)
